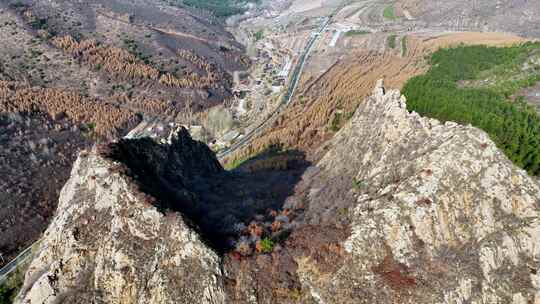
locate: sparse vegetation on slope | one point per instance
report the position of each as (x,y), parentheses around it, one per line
(220,8)
(123,63)
(486,104)
(391,41)
(106,119)
(388,13)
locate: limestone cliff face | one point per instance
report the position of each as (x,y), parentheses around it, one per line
(440,215)
(108,244)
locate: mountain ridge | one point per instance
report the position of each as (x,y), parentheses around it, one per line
(424,226)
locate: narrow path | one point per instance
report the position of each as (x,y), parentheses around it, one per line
(180,34)
(157,29)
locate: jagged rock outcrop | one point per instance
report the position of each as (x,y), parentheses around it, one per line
(440,214)
(401,209)
(109,244)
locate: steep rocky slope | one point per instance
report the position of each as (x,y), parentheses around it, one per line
(95,69)
(438,214)
(400,209)
(108,244)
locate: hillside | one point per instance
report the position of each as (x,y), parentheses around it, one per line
(90,72)
(378,220)
(490,16)
(261,151)
(325,102)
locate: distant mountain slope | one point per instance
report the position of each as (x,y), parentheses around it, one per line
(324,103)
(516,16)
(134,52)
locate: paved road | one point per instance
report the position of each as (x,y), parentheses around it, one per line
(288,97)
(12,266)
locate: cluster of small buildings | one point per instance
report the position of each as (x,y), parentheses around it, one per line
(274,66)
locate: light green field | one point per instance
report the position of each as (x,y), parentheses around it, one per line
(389,13)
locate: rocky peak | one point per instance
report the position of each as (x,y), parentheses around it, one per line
(168,170)
(401,209)
(109,243)
(438,213)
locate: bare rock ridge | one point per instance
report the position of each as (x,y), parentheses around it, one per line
(440,214)
(109,244)
(436,214)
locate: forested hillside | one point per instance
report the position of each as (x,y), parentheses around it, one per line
(478,85)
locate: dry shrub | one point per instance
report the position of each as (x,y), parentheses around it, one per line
(235,255)
(121,62)
(286,212)
(273,213)
(276,226)
(108,120)
(324,249)
(112,59)
(424,201)
(255,229)
(244,248)
(428,172)
(214,75)
(259,247)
